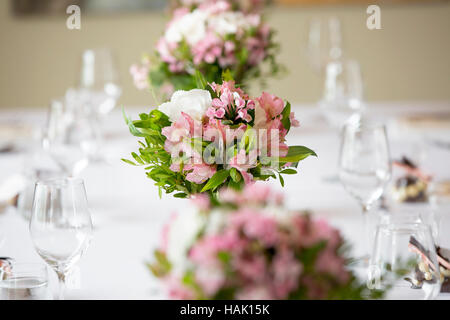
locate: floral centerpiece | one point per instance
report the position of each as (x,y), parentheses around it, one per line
(214,39)
(248,246)
(216,136)
(236,5)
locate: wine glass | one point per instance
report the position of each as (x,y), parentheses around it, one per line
(70,138)
(404,261)
(324,42)
(61,226)
(342,99)
(364,167)
(99,76)
(24,281)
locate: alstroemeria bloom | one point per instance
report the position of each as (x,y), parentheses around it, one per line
(272,105)
(200,172)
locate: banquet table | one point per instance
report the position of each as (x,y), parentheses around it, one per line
(128,215)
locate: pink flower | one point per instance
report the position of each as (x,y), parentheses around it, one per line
(165,232)
(220,113)
(257,292)
(176,289)
(200,172)
(251,268)
(201,201)
(286,270)
(176,134)
(208,49)
(140,76)
(256,194)
(215,7)
(256,226)
(294,121)
(328,262)
(165,50)
(243,162)
(272,105)
(210,279)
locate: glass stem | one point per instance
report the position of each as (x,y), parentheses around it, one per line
(62,285)
(365,230)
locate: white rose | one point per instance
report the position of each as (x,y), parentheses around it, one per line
(190,27)
(228,23)
(194,102)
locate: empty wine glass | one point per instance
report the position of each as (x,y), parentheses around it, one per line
(99,76)
(70,139)
(364,167)
(24,281)
(60,226)
(324,43)
(342,99)
(404,261)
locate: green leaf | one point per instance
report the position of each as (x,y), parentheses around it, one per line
(226,75)
(297,153)
(286,120)
(289,171)
(133,130)
(235,175)
(281,180)
(137,158)
(200,80)
(224,257)
(129,162)
(180,195)
(217,179)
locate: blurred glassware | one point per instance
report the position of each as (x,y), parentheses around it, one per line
(70,138)
(440,203)
(324,43)
(100,77)
(24,281)
(424,214)
(364,168)
(342,99)
(61,226)
(25,199)
(404,260)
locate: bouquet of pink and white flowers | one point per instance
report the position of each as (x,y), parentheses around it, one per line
(236,5)
(216,136)
(211,38)
(248,246)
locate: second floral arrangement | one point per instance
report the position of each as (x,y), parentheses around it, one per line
(211,37)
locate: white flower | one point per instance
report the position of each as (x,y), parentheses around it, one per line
(282,215)
(216,222)
(228,23)
(194,102)
(191,27)
(182,234)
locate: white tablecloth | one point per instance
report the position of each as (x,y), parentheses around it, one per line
(128,215)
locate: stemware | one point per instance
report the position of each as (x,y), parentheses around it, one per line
(364,167)
(342,99)
(324,43)
(61,226)
(24,281)
(99,76)
(70,138)
(404,261)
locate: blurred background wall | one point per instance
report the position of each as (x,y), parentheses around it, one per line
(409,59)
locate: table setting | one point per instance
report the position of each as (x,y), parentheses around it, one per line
(217,191)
